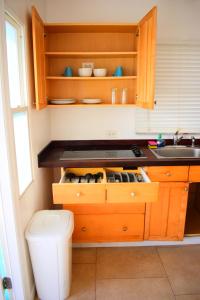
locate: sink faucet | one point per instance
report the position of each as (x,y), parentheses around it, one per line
(193,141)
(176,138)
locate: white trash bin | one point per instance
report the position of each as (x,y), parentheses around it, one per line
(49,236)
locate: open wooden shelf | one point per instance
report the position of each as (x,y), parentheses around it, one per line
(91,54)
(91,78)
(90,105)
(90,27)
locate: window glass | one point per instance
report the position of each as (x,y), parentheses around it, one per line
(12,38)
(22,148)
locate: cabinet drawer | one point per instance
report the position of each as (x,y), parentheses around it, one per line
(194,174)
(107,228)
(129,192)
(76,193)
(106,208)
(168,173)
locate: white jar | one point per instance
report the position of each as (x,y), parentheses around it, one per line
(124,96)
(113,95)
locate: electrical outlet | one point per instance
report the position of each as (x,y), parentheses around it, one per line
(88,65)
(111,133)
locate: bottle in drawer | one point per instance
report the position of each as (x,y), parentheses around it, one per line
(124,177)
(87,178)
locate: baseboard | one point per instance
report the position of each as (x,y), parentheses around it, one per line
(186,241)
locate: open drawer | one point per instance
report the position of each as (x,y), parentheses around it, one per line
(131,192)
(76,193)
(104,191)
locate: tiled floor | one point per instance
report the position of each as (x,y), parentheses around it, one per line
(136,273)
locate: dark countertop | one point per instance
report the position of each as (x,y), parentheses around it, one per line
(49,157)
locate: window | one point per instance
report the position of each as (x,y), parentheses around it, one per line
(177,91)
(18,100)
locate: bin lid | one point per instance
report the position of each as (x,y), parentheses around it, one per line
(51,224)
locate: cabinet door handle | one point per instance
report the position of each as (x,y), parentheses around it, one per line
(83,228)
(168,174)
(132,194)
(78,194)
(124,228)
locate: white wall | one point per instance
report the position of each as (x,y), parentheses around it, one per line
(178,20)
(38,194)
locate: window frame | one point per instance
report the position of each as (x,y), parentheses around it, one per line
(24,95)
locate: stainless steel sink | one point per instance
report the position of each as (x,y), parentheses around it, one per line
(177,152)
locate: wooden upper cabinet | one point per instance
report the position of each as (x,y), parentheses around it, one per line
(56,46)
(39,60)
(146,60)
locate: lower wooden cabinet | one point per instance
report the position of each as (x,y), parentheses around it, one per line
(168,173)
(194,174)
(108,228)
(104,191)
(165,219)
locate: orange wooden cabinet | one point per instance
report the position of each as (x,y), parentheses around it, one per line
(168,173)
(146,60)
(104,192)
(106,212)
(73,193)
(194,174)
(56,46)
(108,228)
(165,219)
(39,60)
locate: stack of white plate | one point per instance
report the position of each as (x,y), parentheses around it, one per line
(91,101)
(62,101)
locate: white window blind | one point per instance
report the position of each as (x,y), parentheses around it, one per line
(177,91)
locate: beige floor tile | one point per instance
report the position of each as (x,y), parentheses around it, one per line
(84,255)
(134,289)
(188,297)
(182,265)
(130,262)
(83,282)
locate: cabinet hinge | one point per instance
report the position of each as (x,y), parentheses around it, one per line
(7,283)
(138,32)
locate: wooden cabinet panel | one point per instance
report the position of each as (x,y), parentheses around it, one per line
(104,192)
(146,60)
(108,208)
(194,174)
(168,173)
(165,219)
(78,193)
(39,60)
(108,228)
(132,192)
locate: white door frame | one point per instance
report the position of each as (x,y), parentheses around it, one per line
(8,205)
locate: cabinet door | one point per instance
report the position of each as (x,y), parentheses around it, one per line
(39,60)
(165,219)
(146,60)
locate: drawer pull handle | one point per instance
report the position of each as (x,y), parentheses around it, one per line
(78,194)
(83,228)
(132,194)
(168,174)
(124,228)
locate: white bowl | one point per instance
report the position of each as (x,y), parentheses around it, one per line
(87,72)
(99,72)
